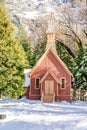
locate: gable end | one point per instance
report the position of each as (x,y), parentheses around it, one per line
(58,59)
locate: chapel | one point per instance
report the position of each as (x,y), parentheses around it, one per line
(50,79)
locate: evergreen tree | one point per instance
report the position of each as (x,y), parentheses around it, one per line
(6,29)
(23,39)
(80,69)
(64,55)
(12,58)
(39,49)
(2,1)
(33,53)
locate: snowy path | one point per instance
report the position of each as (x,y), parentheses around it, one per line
(35,115)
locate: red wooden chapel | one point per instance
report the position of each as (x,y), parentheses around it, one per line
(50,79)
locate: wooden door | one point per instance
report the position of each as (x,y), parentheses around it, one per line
(49,87)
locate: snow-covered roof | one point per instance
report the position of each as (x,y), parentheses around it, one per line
(27,79)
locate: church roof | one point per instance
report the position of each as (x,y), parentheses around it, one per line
(56,56)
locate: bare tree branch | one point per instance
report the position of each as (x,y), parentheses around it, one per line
(85,32)
(67,48)
(74,36)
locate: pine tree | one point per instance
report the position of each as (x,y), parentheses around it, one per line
(23,39)
(80,69)
(6,29)
(64,55)
(2,1)
(39,49)
(80,72)
(12,58)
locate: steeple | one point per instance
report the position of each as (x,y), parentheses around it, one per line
(51,34)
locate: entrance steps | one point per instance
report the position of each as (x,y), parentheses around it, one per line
(48,98)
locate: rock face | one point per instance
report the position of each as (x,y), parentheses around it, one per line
(22,10)
(33,15)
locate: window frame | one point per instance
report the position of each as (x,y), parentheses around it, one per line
(38,78)
(63,78)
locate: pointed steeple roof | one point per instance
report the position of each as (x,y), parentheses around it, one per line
(51,34)
(51,24)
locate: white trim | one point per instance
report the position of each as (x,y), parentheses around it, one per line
(63,95)
(34,95)
(57,89)
(52,74)
(70,86)
(30,86)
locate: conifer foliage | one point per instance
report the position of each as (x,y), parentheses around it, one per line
(27,46)
(12,58)
(65,55)
(80,69)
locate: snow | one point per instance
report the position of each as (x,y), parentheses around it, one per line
(78,74)
(31,14)
(27,79)
(25,114)
(26,71)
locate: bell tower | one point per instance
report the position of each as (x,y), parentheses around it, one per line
(51,34)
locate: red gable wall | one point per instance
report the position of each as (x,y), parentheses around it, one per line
(52,63)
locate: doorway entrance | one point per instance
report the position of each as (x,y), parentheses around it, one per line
(49,87)
(49,91)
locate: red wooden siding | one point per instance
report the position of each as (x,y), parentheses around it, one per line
(26,94)
(52,63)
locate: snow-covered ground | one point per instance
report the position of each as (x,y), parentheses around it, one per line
(24,114)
